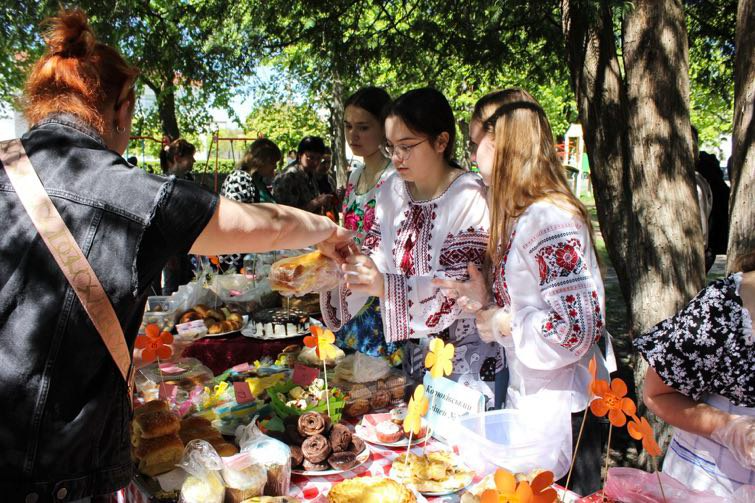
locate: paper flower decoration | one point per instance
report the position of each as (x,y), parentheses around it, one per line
(440,358)
(322,341)
(612,400)
(507,490)
(418,406)
(640,429)
(154,344)
(593,368)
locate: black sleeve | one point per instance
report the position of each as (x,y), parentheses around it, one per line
(181,213)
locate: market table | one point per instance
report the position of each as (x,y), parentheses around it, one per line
(225,351)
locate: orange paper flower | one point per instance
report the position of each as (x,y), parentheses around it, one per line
(322,341)
(612,400)
(418,406)
(154,344)
(593,368)
(440,358)
(509,491)
(640,429)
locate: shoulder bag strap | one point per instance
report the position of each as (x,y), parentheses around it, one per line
(66,253)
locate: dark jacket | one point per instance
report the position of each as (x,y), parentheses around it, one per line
(64,412)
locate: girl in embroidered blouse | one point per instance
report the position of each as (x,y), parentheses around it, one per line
(365,133)
(547,302)
(430,221)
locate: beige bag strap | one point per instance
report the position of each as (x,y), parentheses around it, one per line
(66,253)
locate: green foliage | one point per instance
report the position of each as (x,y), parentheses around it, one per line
(286,123)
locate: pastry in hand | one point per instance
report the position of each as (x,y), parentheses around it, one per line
(312,272)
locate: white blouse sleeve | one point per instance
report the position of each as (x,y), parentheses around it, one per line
(557,298)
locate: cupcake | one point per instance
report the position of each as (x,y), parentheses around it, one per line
(388,432)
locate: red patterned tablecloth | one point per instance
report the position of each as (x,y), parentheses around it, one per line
(221,353)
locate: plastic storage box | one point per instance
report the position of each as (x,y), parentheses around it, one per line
(162,311)
(519,441)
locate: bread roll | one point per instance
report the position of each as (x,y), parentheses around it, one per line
(155,424)
(190,315)
(159,455)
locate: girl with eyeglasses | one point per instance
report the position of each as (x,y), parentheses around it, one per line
(431,220)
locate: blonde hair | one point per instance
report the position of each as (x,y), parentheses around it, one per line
(526,168)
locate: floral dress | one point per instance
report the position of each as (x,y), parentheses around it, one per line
(413,242)
(706,352)
(364,333)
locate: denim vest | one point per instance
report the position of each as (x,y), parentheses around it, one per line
(64,412)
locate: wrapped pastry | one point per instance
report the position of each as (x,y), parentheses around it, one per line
(204,483)
(243,478)
(159,455)
(297,276)
(273,454)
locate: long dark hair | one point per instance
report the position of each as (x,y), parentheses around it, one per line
(375,100)
(427,111)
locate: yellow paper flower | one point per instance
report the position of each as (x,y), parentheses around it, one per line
(418,406)
(440,358)
(322,341)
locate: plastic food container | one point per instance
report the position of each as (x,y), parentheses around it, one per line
(519,441)
(369,397)
(162,311)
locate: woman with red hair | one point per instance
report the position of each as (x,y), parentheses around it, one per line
(64,420)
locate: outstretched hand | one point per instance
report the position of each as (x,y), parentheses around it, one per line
(339,245)
(362,275)
(470,295)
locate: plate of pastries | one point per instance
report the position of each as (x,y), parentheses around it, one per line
(372,490)
(219,321)
(435,473)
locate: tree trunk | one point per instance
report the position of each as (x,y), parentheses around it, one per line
(336,128)
(742,204)
(638,138)
(166,109)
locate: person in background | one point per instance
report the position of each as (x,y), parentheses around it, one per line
(326,184)
(704,201)
(177,159)
(545,305)
(296,185)
(701,381)
(430,219)
(291,157)
(248,184)
(65,414)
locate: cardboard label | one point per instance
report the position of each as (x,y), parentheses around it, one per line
(170,368)
(304,375)
(243,393)
(449,400)
(191,326)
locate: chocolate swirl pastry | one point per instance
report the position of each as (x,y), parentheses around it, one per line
(342,460)
(297,456)
(340,438)
(357,445)
(311,423)
(314,467)
(316,449)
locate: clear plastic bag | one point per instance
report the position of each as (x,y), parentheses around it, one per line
(630,485)
(361,368)
(243,478)
(273,454)
(204,483)
(297,276)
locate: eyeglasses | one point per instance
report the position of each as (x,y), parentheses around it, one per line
(400,152)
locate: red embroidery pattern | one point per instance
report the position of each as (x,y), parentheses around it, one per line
(559,260)
(460,249)
(411,250)
(445,308)
(395,308)
(500,288)
(372,239)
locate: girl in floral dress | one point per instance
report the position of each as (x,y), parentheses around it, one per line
(430,221)
(364,131)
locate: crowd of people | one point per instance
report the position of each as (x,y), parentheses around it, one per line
(502,263)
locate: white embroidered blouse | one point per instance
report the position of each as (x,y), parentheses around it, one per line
(549,279)
(413,242)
